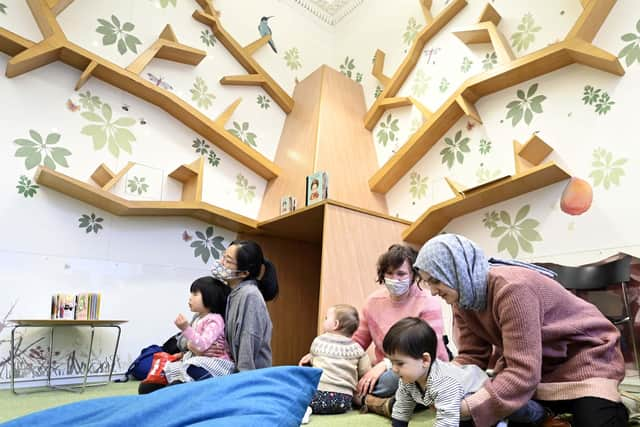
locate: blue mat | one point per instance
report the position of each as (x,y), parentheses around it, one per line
(264,397)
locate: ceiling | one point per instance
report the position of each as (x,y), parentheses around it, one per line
(329,11)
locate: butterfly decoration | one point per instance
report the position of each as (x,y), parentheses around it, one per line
(470,126)
(71,106)
(125,107)
(159,81)
(186,236)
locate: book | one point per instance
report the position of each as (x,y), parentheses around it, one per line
(317,187)
(83,306)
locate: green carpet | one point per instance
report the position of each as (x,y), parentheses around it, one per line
(12,406)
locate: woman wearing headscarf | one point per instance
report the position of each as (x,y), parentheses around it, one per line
(555,347)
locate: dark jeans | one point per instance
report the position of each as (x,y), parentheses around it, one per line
(587,412)
(591,412)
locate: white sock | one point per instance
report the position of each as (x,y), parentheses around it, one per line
(307,414)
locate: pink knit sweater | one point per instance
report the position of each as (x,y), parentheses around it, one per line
(555,346)
(380,313)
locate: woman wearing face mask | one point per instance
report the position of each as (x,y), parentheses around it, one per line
(253,281)
(400,298)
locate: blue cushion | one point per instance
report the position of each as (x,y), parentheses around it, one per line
(263,397)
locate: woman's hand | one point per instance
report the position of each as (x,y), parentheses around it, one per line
(306,360)
(464,409)
(181,322)
(368,382)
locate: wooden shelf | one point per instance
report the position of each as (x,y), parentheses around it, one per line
(27,56)
(392,86)
(487,32)
(116,205)
(167,47)
(191,177)
(257,75)
(438,216)
(106,178)
(307,224)
(520,70)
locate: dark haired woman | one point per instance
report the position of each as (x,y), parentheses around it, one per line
(253,281)
(401,297)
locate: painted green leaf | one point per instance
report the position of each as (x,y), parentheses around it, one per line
(41,151)
(26,187)
(631,52)
(292,58)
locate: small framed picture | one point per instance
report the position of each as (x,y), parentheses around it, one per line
(285,205)
(317,187)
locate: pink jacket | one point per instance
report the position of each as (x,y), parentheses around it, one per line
(554,345)
(208,334)
(380,313)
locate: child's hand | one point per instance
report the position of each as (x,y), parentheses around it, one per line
(181,322)
(306,360)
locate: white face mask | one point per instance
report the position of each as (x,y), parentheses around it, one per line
(397,287)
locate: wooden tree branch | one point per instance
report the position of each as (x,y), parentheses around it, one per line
(378,68)
(403,71)
(167,47)
(241,55)
(251,48)
(224,117)
(57,6)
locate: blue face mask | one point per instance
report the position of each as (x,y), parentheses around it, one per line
(222,273)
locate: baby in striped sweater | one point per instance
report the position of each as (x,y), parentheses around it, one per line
(411,345)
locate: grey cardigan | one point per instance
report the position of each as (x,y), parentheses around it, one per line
(248,327)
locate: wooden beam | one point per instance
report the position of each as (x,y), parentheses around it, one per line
(591,19)
(398,102)
(43,53)
(86,74)
(117,177)
(57,6)
(167,47)
(402,73)
(207,6)
(438,216)
(487,32)
(118,206)
(102,175)
(191,178)
(378,68)
(251,48)
(45,18)
(585,53)
(490,14)
(277,93)
(426,113)
(468,108)
(244,80)
(224,117)
(426,10)
(13,44)
(454,186)
(535,150)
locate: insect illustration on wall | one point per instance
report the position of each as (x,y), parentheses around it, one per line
(186,237)
(159,81)
(71,106)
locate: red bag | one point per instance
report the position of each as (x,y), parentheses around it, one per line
(156,373)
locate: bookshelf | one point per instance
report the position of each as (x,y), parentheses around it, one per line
(576,48)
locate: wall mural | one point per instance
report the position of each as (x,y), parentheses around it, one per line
(514,235)
(348,68)
(242,132)
(292,59)
(206,245)
(526,34)
(204,149)
(631,52)
(90,223)
(41,151)
(606,171)
(388,130)
(200,94)
(245,192)
(525,106)
(598,98)
(113,31)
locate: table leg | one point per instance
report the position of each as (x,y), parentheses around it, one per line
(86,369)
(115,353)
(50,358)
(13,359)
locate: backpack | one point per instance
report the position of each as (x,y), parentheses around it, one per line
(141,366)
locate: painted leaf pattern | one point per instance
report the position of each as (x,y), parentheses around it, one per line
(606,171)
(113,32)
(387,131)
(104,130)
(207,245)
(525,106)
(45,151)
(455,149)
(515,234)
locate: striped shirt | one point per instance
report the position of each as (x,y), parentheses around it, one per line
(447,385)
